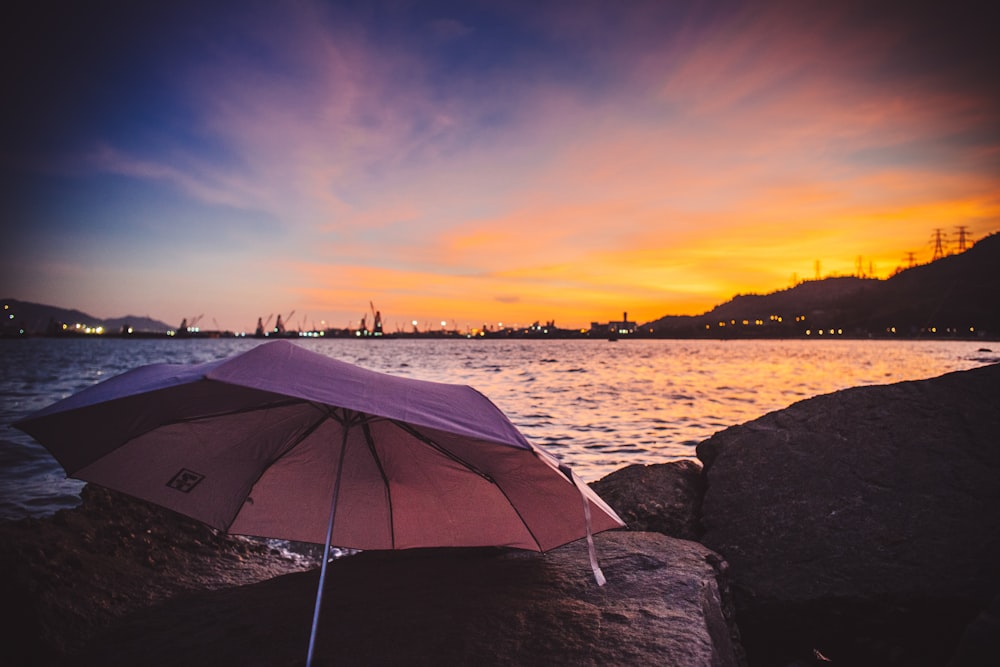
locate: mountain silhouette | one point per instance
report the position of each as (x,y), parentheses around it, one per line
(36,318)
(953,296)
(956,295)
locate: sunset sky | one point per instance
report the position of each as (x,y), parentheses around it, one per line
(483,162)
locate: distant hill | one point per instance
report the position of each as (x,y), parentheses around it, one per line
(37,318)
(956,295)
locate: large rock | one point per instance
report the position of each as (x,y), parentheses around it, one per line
(66,578)
(662,497)
(118,581)
(980,645)
(661,605)
(861,526)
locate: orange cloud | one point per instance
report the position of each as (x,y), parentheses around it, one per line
(724,161)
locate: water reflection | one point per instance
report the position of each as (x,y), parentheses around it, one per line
(595,405)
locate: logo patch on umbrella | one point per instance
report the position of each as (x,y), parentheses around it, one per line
(185,480)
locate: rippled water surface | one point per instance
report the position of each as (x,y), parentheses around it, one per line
(597,405)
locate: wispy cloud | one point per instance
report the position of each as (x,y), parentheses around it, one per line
(656,153)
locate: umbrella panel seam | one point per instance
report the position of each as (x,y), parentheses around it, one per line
(385,479)
(280,455)
(468,466)
(439,448)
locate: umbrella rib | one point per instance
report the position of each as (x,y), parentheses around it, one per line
(454,457)
(225,413)
(468,466)
(239,411)
(305,434)
(326,414)
(346,419)
(385,478)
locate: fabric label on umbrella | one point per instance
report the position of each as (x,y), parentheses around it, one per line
(185,480)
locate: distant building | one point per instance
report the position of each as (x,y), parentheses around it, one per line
(622,327)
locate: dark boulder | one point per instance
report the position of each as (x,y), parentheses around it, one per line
(661,605)
(862,526)
(117,581)
(66,578)
(662,498)
(980,644)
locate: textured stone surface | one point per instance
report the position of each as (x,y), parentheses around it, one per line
(980,643)
(67,577)
(864,524)
(661,605)
(117,581)
(663,497)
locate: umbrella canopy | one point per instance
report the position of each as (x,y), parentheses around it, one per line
(262,442)
(282,442)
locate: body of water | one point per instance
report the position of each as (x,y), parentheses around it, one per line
(596,405)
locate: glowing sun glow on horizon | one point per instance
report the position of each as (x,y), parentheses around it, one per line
(479,163)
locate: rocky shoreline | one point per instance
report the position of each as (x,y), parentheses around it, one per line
(857,528)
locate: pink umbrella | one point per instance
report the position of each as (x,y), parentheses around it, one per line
(282,442)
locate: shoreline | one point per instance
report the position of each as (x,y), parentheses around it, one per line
(572,334)
(854,549)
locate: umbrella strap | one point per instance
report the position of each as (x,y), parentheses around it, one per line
(592,550)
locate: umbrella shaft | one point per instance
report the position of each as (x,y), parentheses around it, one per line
(326,552)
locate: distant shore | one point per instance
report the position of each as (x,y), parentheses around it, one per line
(513,334)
